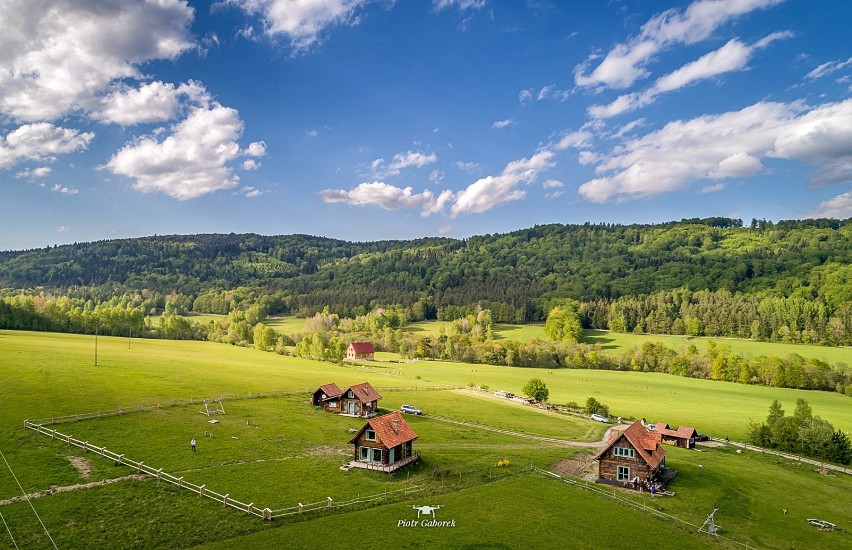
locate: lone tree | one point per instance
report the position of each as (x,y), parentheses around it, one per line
(563,323)
(536,389)
(593,406)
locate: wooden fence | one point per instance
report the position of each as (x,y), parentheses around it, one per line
(202,490)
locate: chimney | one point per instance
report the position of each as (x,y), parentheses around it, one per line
(395,426)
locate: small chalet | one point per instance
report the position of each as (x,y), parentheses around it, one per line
(631,453)
(683,436)
(327,397)
(360,400)
(360,351)
(384,444)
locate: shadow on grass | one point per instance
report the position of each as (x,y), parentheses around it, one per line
(599,337)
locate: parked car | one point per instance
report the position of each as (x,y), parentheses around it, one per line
(600,418)
(702,437)
(410,409)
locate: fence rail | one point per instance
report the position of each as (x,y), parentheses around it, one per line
(79,417)
(202,490)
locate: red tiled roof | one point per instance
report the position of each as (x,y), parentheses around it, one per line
(362,347)
(646,443)
(331,390)
(683,432)
(364,392)
(391,429)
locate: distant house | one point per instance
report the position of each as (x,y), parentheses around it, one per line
(360,400)
(360,351)
(683,436)
(631,453)
(327,397)
(384,444)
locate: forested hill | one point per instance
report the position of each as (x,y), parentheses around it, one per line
(517,275)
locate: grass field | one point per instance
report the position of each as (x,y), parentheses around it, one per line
(278,451)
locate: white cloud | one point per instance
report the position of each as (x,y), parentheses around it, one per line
(59,55)
(436,176)
(302,21)
(580,138)
(828,68)
(400,162)
(491,191)
(525,96)
(64,190)
(727,145)
(62,229)
(461,5)
(255,149)
(444,229)
(839,207)
(467,167)
(502,123)
(550,184)
(251,192)
(712,188)
(554,194)
(152,102)
(34,173)
(40,141)
(250,164)
(388,197)
(191,161)
(625,63)
(733,56)
(312,133)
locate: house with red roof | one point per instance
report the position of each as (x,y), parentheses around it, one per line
(683,436)
(360,351)
(328,397)
(631,453)
(384,444)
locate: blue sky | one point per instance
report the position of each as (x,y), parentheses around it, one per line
(377,120)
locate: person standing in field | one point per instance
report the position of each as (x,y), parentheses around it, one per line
(192,444)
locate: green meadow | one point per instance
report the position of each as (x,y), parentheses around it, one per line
(277,451)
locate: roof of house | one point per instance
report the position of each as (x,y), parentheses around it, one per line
(391,429)
(330,390)
(364,392)
(683,432)
(362,347)
(646,443)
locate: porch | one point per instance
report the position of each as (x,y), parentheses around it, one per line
(386,468)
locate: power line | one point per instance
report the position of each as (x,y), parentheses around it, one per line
(9,530)
(26,496)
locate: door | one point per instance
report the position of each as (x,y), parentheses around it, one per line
(391,456)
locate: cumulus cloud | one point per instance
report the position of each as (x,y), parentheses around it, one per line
(59,55)
(839,207)
(625,63)
(34,173)
(388,197)
(491,191)
(726,145)
(40,141)
(64,190)
(302,21)
(251,192)
(191,161)
(733,56)
(255,149)
(401,161)
(250,164)
(497,124)
(151,102)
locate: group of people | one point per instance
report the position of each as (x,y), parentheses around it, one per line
(651,485)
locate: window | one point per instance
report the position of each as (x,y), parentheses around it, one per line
(365,454)
(622,451)
(622,473)
(332,404)
(370,435)
(377,455)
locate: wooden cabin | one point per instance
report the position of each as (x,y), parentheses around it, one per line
(683,436)
(384,444)
(360,400)
(327,397)
(360,351)
(631,453)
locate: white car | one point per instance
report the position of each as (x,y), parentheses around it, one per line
(600,418)
(410,409)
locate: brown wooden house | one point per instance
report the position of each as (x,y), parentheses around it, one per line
(360,351)
(327,397)
(360,400)
(683,436)
(384,443)
(631,453)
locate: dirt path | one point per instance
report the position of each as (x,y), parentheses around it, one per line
(556,441)
(68,488)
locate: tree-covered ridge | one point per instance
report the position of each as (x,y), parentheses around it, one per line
(519,276)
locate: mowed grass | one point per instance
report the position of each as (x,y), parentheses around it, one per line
(280,451)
